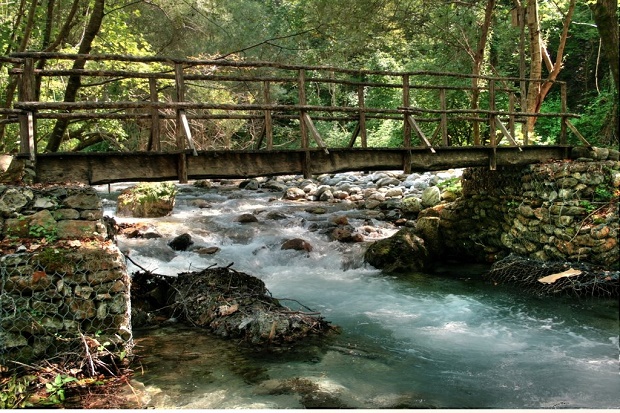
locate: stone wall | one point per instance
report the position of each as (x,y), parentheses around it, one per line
(560,211)
(64,289)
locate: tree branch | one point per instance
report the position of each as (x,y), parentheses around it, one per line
(268,41)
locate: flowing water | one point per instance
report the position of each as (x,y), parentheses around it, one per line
(442,340)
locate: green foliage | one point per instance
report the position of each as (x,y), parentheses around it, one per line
(50,234)
(602,193)
(596,116)
(587,205)
(452,184)
(388,35)
(56,389)
(14,392)
(153,191)
(548,129)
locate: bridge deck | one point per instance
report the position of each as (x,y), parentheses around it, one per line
(100,168)
(184,133)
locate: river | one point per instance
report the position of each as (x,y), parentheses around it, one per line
(423,340)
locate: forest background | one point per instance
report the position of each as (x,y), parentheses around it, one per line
(567,40)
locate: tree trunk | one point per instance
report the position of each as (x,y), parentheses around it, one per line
(74,83)
(535,61)
(538,52)
(477,64)
(605,14)
(27,31)
(557,65)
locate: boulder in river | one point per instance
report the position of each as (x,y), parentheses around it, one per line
(402,252)
(147,199)
(247,218)
(346,233)
(181,243)
(297,244)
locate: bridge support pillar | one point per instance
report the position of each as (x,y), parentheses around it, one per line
(407,162)
(182,168)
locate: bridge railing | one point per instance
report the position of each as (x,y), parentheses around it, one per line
(190,105)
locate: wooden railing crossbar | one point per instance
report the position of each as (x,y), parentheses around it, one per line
(183,73)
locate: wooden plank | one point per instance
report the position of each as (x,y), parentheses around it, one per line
(416,127)
(188,132)
(261,136)
(101,168)
(180,97)
(314,132)
(27,94)
(444,118)
(32,143)
(406,104)
(407,158)
(507,134)
(435,133)
(550,279)
(301,85)
(511,118)
(72,106)
(354,135)
(362,116)
(492,116)
(579,135)
(268,121)
(155,137)
(564,108)
(182,175)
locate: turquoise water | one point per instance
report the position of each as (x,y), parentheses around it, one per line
(445,340)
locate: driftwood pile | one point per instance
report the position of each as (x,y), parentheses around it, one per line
(227,302)
(556,278)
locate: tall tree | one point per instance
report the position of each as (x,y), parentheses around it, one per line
(538,88)
(25,32)
(605,13)
(74,83)
(477,60)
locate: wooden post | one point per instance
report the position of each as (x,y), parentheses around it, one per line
(187,132)
(362,114)
(302,125)
(406,126)
(511,109)
(354,135)
(579,135)
(155,139)
(26,120)
(444,117)
(492,135)
(523,83)
(315,133)
(507,134)
(563,119)
(268,120)
(414,125)
(180,97)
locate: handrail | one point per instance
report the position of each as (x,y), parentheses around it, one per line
(258,64)
(183,75)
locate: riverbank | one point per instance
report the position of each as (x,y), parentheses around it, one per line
(343,212)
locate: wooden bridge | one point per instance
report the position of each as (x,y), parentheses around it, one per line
(189,119)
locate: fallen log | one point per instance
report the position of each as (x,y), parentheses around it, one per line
(226,302)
